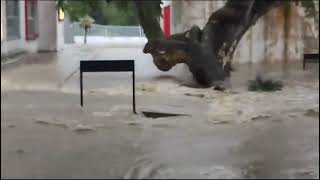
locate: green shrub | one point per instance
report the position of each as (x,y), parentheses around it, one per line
(260,84)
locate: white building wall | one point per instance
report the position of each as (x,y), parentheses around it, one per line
(47,26)
(278,36)
(4,50)
(50,30)
(60,35)
(18,45)
(3,22)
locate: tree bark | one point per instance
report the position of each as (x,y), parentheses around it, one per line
(208,52)
(85,35)
(148,21)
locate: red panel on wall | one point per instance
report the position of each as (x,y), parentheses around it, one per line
(166,21)
(30,19)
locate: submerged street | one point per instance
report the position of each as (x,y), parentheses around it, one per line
(225,134)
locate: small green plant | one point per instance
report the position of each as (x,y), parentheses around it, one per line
(260,84)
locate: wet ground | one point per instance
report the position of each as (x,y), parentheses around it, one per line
(231,134)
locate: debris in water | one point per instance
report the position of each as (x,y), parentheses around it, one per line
(220,122)
(146,88)
(307,173)
(42,122)
(160,115)
(11,126)
(161,126)
(133,124)
(260,117)
(19,151)
(311,113)
(260,84)
(47,123)
(82,129)
(219,88)
(195,95)
(61,125)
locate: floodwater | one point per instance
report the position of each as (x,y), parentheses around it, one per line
(226,134)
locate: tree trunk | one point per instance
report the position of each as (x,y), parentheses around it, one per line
(149,22)
(85,35)
(208,52)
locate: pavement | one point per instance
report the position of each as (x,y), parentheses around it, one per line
(45,133)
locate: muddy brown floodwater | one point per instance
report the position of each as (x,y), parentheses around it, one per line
(228,134)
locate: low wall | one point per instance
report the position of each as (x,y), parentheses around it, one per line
(10,48)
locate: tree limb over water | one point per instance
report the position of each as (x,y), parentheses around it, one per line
(207,52)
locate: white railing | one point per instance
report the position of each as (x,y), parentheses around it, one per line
(124,31)
(108,31)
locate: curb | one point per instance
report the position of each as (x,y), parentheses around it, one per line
(11,62)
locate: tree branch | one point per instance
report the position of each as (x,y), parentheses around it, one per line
(208,52)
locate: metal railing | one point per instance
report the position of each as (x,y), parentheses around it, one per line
(124,31)
(108,31)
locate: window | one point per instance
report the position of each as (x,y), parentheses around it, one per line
(31,15)
(13,21)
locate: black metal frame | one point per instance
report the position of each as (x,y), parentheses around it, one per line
(108,66)
(310,58)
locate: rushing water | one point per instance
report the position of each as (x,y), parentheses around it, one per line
(229,134)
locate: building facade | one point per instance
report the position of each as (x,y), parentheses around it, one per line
(30,26)
(283,34)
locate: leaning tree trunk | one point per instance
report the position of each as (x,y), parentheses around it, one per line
(149,22)
(207,52)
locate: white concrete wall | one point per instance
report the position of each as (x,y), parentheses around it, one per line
(48,29)
(60,35)
(3,23)
(278,36)
(281,35)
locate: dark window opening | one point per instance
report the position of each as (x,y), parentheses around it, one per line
(13,19)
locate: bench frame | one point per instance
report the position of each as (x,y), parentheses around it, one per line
(310,58)
(108,66)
